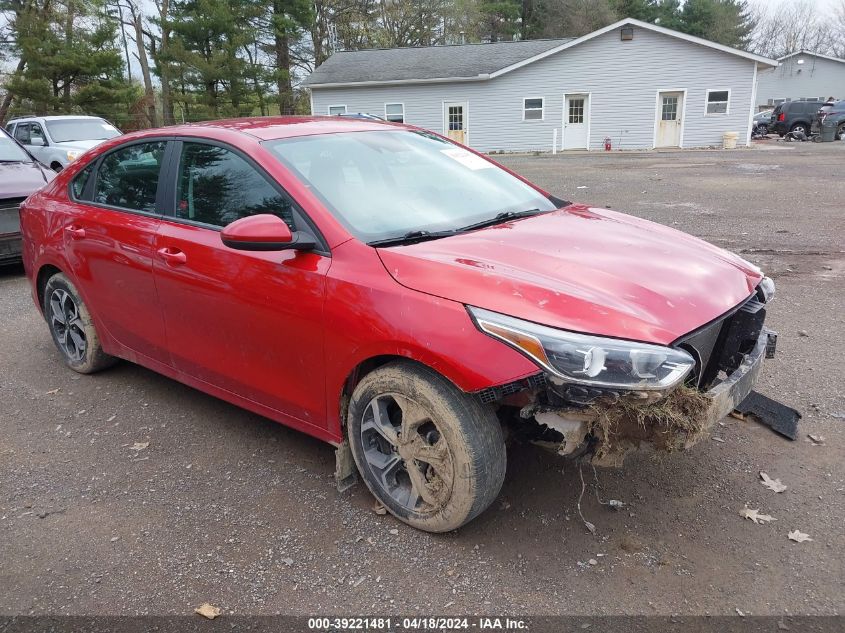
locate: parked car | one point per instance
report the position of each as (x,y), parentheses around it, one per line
(395,294)
(761,122)
(20,175)
(831,112)
(58,140)
(794,116)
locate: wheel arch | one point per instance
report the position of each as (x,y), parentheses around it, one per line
(44,273)
(367,366)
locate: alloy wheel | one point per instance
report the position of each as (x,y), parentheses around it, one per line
(66,325)
(406,453)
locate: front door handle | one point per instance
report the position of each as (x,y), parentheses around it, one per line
(172,255)
(75,231)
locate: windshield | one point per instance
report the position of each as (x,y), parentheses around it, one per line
(11,151)
(65,130)
(386,184)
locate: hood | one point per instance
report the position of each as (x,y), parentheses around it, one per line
(19,180)
(582,269)
(80,145)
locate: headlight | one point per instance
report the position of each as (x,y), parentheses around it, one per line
(767,288)
(73,154)
(589,360)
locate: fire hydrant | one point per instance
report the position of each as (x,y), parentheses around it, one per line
(607,144)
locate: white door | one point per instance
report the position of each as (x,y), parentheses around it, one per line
(455,121)
(670,112)
(576,121)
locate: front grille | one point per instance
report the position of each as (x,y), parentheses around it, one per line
(10,220)
(722,345)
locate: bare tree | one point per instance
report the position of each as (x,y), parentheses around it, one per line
(790,27)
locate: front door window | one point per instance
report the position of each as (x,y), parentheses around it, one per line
(217,187)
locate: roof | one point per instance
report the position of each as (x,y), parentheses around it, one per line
(469,62)
(272,127)
(52,117)
(460,61)
(812,54)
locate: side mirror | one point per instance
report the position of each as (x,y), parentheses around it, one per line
(264,232)
(37,141)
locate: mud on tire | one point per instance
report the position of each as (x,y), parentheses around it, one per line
(433,455)
(72,328)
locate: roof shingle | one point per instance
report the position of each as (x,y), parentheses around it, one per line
(421,63)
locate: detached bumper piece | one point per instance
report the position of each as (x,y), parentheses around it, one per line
(778,417)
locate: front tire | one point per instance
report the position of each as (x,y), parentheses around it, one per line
(431,454)
(72,328)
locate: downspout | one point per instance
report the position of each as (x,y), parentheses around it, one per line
(753,106)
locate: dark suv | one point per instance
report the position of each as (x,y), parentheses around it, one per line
(794,116)
(20,175)
(831,112)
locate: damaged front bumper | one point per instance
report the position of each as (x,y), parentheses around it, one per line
(611,428)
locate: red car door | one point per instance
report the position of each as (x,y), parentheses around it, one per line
(249,323)
(110,238)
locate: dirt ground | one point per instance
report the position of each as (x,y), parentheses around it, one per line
(226,507)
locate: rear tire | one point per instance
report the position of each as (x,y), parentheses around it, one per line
(840,132)
(56,167)
(72,328)
(800,127)
(431,454)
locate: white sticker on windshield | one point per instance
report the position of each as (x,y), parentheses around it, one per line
(467,159)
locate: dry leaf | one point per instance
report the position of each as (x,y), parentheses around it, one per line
(817,439)
(755,515)
(798,537)
(772,484)
(379,509)
(139,446)
(736,414)
(208,611)
(51,392)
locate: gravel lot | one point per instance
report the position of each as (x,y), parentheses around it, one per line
(229,508)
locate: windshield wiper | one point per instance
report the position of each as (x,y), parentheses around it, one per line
(412,237)
(500,218)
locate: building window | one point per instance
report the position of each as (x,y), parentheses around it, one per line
(717,101)
(394,112)
(532,109)
(337,109)
(576,110)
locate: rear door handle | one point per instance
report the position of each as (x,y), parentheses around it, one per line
(76,232)
(172,255)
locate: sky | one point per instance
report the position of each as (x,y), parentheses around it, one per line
(827,6)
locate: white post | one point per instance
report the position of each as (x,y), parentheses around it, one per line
(554,141)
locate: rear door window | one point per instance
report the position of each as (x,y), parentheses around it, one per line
(128,177)
(78,185)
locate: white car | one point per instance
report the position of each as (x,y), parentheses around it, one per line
(56,141)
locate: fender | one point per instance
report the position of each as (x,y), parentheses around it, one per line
(389,319)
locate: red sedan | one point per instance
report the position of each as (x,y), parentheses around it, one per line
(389,292)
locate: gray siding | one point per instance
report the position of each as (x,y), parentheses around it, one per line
(623,79)
(815,78)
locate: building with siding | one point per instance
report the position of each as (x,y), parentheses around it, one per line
(638,84)
(801,76)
